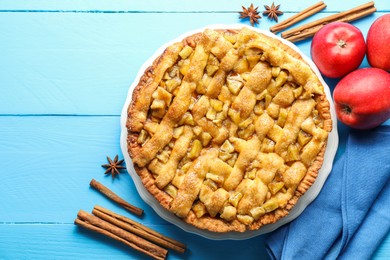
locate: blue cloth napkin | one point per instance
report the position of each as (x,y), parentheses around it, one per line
(351,215)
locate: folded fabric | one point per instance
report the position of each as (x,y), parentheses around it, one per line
(351,215)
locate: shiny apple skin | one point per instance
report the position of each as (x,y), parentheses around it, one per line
(337,49)
(362,98)
(378,43)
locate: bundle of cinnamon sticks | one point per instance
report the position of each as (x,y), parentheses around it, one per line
(125,230)
(308,30)
(129,232)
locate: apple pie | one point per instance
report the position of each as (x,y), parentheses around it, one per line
(227,129)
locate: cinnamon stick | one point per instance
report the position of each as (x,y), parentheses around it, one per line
(308,30)
(96,224)
(138,229)
(111,195)
(311,10)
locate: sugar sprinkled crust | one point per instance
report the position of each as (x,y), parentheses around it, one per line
(227,129)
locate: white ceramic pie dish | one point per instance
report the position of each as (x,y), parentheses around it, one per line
(305,200)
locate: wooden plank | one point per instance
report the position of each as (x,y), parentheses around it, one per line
(48,162)
(83,63)
(67,241)
(173,5)
(383,252)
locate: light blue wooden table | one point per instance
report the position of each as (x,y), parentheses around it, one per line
(65,69)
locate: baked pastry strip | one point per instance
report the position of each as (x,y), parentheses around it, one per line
(178,107)
(168,171)
(142,105)
(190,187)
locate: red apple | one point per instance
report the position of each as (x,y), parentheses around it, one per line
(362,98)
(337,49)
(378,43)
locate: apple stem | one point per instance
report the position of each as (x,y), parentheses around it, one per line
(342,43)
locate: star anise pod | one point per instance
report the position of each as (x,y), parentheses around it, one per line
(272,12)
(250,13)
(114,166)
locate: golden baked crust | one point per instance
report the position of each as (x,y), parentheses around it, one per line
(228,128)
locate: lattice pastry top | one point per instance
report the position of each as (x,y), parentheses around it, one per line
(227,129)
